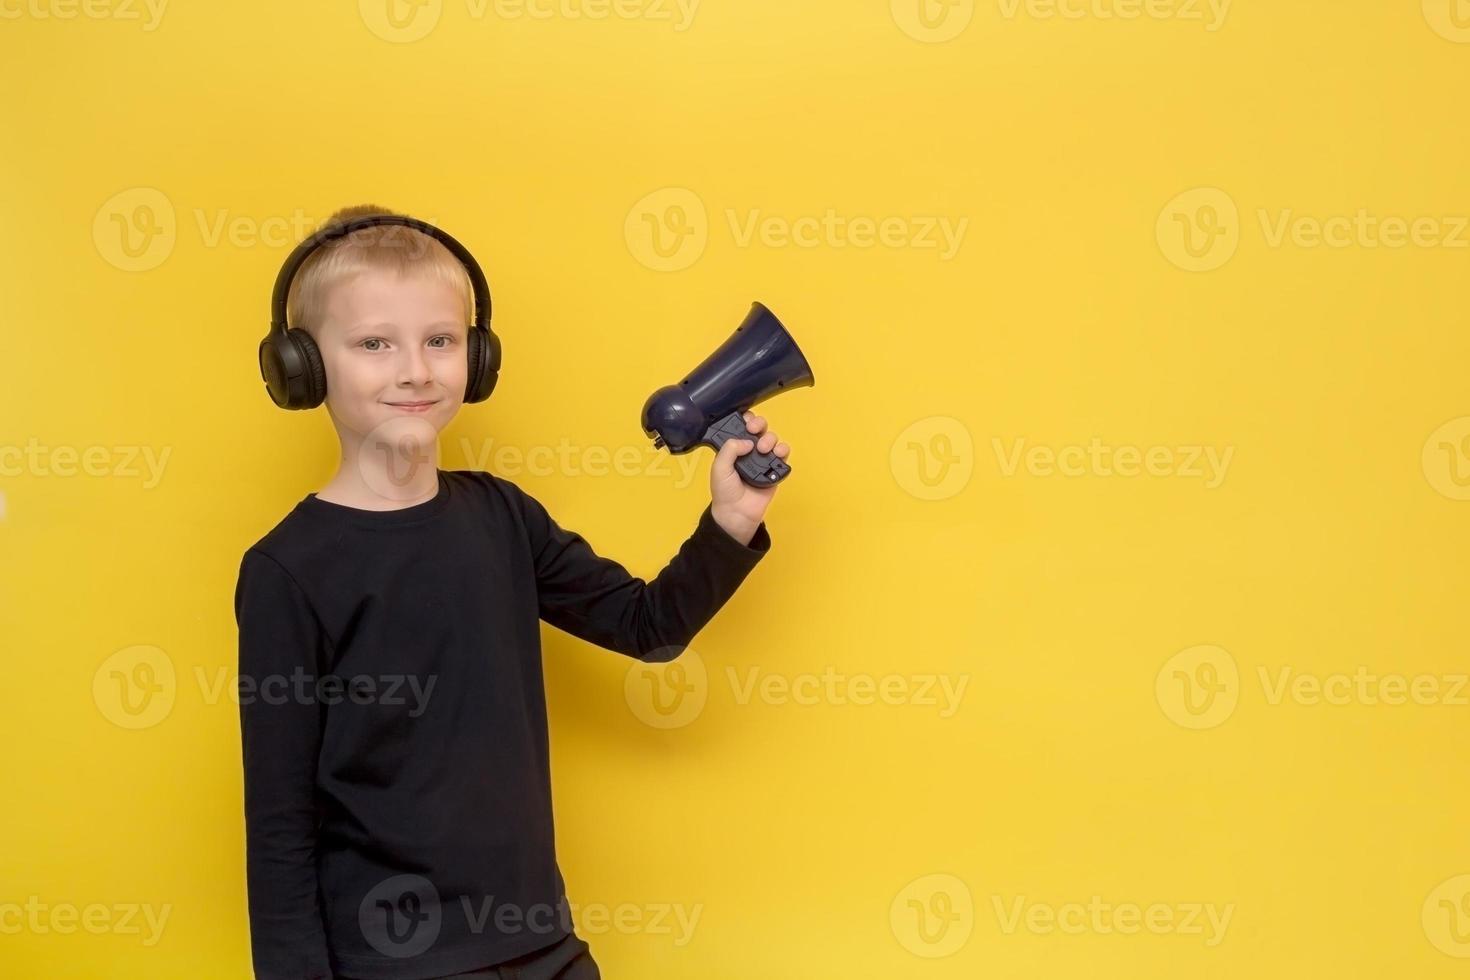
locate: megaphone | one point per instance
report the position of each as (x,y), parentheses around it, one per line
(758,360)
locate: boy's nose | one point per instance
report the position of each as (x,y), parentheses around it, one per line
(413,369)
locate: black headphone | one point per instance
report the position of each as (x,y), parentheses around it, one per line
(290,362)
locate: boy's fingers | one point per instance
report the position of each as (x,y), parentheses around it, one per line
(735,447)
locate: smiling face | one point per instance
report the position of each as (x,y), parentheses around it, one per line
(389,341)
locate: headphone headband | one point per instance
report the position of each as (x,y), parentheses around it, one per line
(303,251)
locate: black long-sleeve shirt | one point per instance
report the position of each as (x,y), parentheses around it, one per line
(393,720)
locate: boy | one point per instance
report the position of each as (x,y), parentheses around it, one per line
(393,723)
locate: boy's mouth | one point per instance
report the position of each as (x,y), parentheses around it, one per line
(416,406)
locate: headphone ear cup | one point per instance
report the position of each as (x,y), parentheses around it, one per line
(315,378)
(292,369)
(484,364)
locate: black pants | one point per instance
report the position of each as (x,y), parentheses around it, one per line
(569,959)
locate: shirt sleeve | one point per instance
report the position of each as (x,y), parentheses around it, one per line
(598,600)
(281,652)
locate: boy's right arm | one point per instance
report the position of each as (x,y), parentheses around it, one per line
(280,736)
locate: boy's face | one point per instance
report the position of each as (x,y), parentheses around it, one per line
(388,341)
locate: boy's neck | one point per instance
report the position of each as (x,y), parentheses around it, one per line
(372,481)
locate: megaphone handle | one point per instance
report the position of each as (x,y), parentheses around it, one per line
(756,468)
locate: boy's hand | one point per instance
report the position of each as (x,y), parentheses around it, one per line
(735,505)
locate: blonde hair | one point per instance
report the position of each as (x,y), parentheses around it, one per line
(392,249)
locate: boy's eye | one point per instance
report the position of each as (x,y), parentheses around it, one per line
(369,342)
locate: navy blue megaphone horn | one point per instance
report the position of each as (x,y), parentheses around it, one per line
(758,360)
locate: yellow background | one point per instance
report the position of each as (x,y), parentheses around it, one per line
(815,840)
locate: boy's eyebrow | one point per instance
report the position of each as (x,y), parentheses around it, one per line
(390,325)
